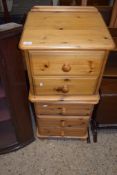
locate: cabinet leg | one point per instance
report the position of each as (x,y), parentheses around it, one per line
(95,136)
(94,130)
(88,138)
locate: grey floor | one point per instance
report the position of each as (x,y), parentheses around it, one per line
(64,157)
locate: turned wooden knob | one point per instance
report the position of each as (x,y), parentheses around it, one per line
(62,123)
(63,110)
(65,89)
(66,67)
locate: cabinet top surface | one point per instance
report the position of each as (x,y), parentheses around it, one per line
(50,27)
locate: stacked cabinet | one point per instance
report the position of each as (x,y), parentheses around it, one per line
(15,119)
(65,52)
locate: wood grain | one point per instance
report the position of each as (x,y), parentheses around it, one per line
(74,99)
(64,85)
(60,121)
(67,51)
(65,28)
(63,9)
(73,132)
(84,63)
(46,108)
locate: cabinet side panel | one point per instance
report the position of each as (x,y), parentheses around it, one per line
(27,59)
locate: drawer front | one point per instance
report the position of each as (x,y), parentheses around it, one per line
(59,121)
(63,109)
(64,85)
(70,132)
(66,63)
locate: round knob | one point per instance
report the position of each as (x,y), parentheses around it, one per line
(66,67)
(41,84)
(62,123)
(63,110)
(65,89)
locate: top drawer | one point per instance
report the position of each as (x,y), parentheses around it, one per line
(66,63)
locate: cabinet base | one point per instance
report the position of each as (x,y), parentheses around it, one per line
(85,137)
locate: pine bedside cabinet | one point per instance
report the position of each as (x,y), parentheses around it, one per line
(65,49)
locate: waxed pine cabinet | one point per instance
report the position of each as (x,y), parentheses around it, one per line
(65,49)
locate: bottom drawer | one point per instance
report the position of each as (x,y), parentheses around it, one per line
(60,121)
(63,132)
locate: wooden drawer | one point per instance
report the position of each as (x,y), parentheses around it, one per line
(63,109)
(63,132)
(84,63)
(60,121)
(64,85)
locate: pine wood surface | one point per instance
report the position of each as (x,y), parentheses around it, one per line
(60,121)
(82,137)
(74,99)
(63,109)
(67,131)
(65,28)
(84,63)
(64,85)
(66,50)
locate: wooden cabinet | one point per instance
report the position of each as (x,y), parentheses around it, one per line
(65,52)
(15,119)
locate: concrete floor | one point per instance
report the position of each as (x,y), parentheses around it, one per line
(64,157)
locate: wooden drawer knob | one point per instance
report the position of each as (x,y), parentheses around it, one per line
(62,123)
(63,110)
(63,89)
(66,67)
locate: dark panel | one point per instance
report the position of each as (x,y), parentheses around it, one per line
(13,75)
(98,2)
(4,111)
(111,66)
(107,110)
(64,2)
(2,92)
(109,86)
(106,12)
(7,134)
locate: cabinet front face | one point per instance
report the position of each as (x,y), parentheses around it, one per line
(64,85)
(64,73)
(60,121)
(63,109)
(67,131)
(79,63)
